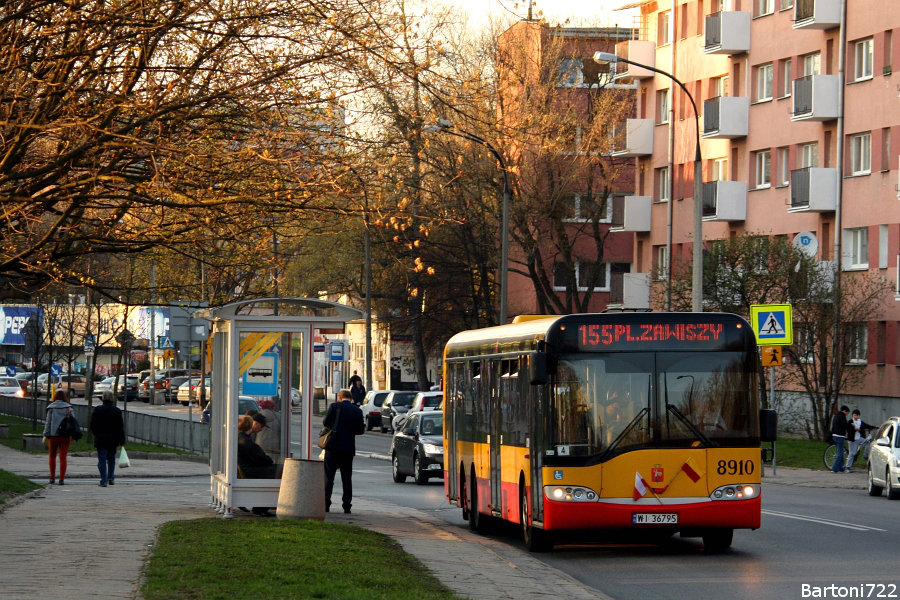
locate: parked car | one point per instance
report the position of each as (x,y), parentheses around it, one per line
(427,401)
(127,387)
(25,379)
(371,408)
(397,403)
(10,386)
(245,403)
(146,384)
(189,390)
(884,460)
(73,383)
(418,448)
(171,386)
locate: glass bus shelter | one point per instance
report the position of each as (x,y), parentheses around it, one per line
(262,359)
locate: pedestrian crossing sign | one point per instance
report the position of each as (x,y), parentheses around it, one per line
(772,324)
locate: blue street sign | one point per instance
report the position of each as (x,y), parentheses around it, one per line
(336,351)
(11,371)
(167,344)
(261,378)
(772,324)
(55,370)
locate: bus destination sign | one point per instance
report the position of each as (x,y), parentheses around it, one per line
(635,336)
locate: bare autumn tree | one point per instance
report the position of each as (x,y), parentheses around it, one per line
(162,124)
(751,269)
(560,122)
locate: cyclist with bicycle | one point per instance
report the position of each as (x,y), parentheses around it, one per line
(839,435)
(857,435)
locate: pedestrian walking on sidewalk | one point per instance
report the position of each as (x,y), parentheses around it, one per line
(109,433)
(839,433)
(56,412)
(346,420)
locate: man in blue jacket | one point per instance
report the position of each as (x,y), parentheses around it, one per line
(346,420)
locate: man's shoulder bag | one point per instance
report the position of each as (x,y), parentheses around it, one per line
(327,435)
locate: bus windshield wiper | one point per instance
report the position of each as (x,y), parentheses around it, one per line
(691,426)
(624,433)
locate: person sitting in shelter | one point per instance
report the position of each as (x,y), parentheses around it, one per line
(268,434)
(253,462)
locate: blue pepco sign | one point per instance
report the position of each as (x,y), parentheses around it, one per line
(12,323)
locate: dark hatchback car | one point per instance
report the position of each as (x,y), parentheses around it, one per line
(418,448)
(397,403)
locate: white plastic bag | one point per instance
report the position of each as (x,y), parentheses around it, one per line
(124,463)
(322,455)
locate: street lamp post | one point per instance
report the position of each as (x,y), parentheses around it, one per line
(697,281)
(445,126)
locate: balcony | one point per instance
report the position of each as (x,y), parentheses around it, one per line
(633,138)
(640,51)
(631,213)
(815,98)
(817,14)
(727,33)
(629,290)
(813,190)
(725,201)
(726,118)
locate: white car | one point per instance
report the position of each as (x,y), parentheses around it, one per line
(427,401)
(10,386)
(884,460)
(371,408)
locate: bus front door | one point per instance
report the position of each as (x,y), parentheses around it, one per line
(537,429)
(493,384)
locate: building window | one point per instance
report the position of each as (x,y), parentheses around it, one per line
(764,82)
(585,273)
(765,7)
(763,169)
(856,248)
(664,35)
(861,153)
(886,149)
(864,51)
(809,155)
(718,169)
(786,4)
(586,207)
(806,343)
(812,64)
(570,72)
(882,246)
(784,167)
(718,87)
(858,338)
(786,81)
(662,106)
(662,184)
(660,262)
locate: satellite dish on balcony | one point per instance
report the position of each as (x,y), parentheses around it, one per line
(807,243)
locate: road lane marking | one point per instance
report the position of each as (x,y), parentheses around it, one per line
(774,513)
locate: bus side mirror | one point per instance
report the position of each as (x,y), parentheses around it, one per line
(537,368)
(768,425)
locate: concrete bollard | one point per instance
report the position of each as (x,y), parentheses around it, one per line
(4,431)
(302,493)
(157,397)
(33,441)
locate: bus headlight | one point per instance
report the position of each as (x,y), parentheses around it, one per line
(570,494)
(737,491)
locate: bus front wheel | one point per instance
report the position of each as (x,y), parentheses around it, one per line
(716,540)
(536,540)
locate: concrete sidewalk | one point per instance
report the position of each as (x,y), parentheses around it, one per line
(80,541)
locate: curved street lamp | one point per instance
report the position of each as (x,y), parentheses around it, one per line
(445,126)
(697,281)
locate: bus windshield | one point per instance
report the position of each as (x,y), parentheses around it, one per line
(606,404)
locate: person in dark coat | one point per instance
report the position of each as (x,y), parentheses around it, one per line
(839,434)
(346,420)
(109,433)
(358,391)
(253,460)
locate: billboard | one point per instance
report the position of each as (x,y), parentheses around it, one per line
(12,323)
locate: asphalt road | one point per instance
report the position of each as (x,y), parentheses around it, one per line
(813,536)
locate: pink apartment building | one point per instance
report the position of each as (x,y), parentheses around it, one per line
(796,138)
(559,183)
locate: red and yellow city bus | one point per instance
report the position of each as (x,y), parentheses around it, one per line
(614,421)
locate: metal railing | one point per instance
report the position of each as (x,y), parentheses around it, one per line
(711,115)
(713,34)
(710,198)
(800,187)
(139,427)
(803,95)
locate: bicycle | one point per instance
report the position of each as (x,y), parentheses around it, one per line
(831,452)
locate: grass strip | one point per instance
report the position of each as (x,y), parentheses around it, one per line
(18,427)
(802,454)
(216,558)
(12,485)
